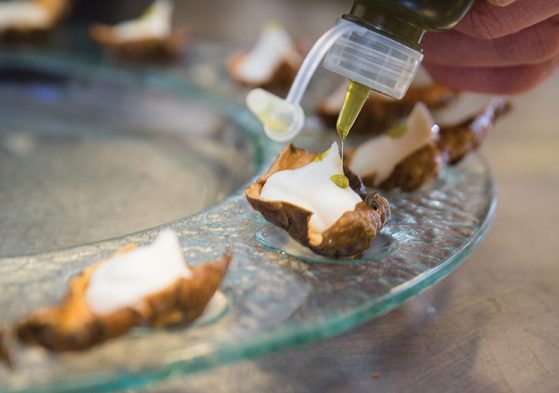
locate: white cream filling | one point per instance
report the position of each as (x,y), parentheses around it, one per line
(422,78)
(125,279)
(155,22)
(273,46)
(24,14)
(311,188)
(382,154)
(467,105)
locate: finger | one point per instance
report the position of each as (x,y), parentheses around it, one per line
(506,80)
(532,45)
(485,21)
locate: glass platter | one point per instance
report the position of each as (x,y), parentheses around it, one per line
(274,301)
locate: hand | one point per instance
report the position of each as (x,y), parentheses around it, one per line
(505,49)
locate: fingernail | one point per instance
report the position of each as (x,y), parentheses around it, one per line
(501,3)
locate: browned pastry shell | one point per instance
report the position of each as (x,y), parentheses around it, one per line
(18,35)
(415,170)
(280,78)
(5,355)
(456,140)
(145,49)
(72,326)
(347,238)
(412,172)
(381,112)
(35,35)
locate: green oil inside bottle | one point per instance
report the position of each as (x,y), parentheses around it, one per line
(407,20)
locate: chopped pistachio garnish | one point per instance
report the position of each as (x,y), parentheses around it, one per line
(397,131)
(321,156)
(148,12)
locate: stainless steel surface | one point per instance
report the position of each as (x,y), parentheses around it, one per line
(492,326)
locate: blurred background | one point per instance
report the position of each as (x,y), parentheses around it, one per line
(490,327)
(237,21)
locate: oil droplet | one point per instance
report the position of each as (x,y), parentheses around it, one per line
(340,180)
(397,131)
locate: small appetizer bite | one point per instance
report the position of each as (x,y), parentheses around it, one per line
(29,20)
(148,285)
(456,140)
(308,195)
(406,156)
(5,355)
(272,64)
(380,112)
(150,37)
(412,153)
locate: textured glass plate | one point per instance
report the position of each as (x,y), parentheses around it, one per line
(82,148)
(274,301)
(279,240)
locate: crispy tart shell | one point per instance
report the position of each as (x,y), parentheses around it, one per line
(72,326)
(5,355)
(146,49)
(36,35)
(412,172)
(347,238)
(457,140)
(280,78)
(453,144)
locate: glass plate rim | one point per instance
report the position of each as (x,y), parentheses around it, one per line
(288,337)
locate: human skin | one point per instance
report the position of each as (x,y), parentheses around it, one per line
(501,47)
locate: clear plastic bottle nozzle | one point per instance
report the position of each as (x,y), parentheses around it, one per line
(284,119)
(374,60)
(362,55)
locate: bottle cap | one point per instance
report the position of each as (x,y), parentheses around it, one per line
(374,60)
